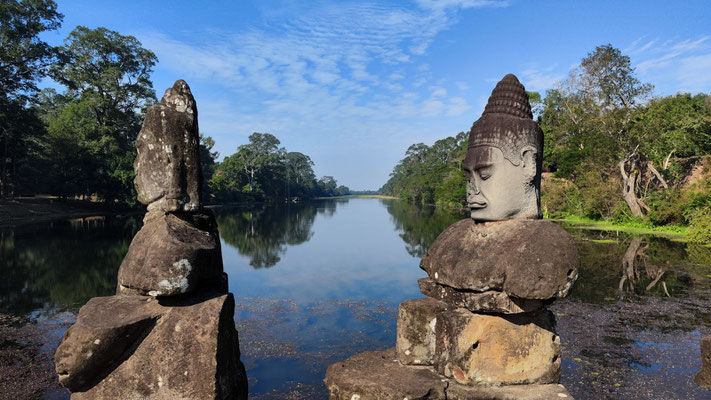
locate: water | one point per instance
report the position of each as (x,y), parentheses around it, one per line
(315,283)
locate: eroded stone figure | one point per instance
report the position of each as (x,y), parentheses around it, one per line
(503,163)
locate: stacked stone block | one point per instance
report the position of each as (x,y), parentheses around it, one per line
(169,331)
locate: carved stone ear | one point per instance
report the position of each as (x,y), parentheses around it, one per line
(528,157)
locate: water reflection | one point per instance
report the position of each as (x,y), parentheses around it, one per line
(61,265)
(418,226)
(263,233)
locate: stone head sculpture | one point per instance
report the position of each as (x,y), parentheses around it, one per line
(503,162)
(168,171)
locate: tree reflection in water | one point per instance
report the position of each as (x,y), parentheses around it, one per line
(62,264)
(419,226)
(263,232)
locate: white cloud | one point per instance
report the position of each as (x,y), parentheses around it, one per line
(673,65)
(540,80)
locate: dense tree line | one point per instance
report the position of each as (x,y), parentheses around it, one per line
(80,142)
(261,169)
(611,151)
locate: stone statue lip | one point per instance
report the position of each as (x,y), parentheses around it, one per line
(476,205)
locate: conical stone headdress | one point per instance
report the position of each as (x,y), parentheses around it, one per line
(507,122)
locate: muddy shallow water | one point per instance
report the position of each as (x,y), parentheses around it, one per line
(319,282)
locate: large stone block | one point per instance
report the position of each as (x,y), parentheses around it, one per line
(527,259)
(703,377)
(377,375)
(480,349)
(416,319)
(490,301)
(104,332)
(171,256)
(168,171)
(190,351)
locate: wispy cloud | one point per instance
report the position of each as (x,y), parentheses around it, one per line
(541,79)
(673,65)
(322,69)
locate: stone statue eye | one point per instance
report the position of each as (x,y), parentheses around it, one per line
(485,172)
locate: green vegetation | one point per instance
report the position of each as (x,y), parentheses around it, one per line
(611,154)
(80,143)
(262,170)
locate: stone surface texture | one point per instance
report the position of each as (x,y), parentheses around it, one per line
(527,259)
(376,375)
(169,332)
(703,377)
(480,349)
(188,350)
(168,171)
(172,255)
(416,319)
(490,301)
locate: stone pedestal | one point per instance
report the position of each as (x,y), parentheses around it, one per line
(378,375)
(703,377)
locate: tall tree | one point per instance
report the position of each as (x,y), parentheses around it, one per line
(590,116)
(24,59)
(107,76)
(299,174)
(260,153)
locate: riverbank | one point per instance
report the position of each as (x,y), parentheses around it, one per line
(674,232)
(25,210)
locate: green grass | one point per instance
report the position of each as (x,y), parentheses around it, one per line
(671,231)
(604,241)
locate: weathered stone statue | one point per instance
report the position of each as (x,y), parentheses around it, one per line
(482,332)
(505,155)
(169,331)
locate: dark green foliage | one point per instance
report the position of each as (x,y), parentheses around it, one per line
(431,174)
(261,170)
(24,60)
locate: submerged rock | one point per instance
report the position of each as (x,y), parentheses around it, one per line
(490,301)
(171,256)
(480,349)
(527,259)
(376,375)
(168,171)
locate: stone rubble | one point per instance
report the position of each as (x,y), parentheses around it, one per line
(169,332)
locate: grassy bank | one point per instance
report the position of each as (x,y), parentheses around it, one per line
(670,231)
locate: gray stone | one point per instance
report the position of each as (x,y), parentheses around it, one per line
(377,375)
(105,330)
(189,351)
(490,301)
(168,171)
(172,254)
(481,349)
(703,377)
(504,158)
(527,259)
(416,320)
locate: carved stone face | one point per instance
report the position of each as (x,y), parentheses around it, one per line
(499,190)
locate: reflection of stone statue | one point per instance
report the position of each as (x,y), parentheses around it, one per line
(482,331)
(503,163)
(169,331)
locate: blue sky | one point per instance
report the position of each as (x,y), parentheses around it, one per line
(354,83)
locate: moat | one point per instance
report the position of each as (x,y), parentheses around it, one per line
(317,282)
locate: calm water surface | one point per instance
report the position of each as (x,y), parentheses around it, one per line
(318,282)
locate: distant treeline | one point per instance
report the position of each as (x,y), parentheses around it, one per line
(80,143)
(262,170)
(611,152)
